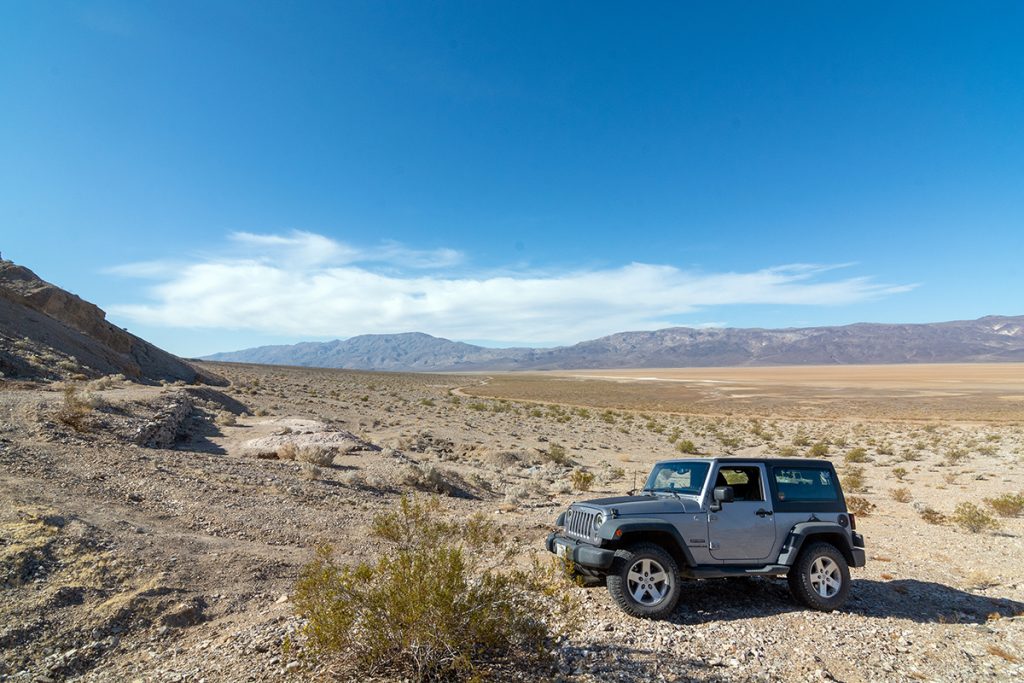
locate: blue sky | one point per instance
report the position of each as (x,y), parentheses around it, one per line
(219,175)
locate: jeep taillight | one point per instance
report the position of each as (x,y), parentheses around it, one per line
(853,521)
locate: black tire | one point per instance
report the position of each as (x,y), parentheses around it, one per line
(644,581)
(812,579)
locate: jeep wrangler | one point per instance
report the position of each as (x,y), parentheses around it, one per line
(702,518)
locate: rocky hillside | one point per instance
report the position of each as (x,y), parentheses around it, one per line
(49,333)
(988,339)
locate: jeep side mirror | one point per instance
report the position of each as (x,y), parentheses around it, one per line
(723,494)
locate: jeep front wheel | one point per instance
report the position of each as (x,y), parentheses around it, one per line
(644,581)
(820,578)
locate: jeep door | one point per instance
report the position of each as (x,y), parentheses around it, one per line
(742,531)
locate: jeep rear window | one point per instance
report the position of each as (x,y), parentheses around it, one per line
(681,477)
(804,484)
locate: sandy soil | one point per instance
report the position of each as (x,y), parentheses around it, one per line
(120,561)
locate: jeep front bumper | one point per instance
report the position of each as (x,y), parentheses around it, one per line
(583,554)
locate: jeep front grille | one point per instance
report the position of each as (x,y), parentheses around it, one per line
(580,523)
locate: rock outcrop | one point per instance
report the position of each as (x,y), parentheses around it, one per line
(49,333)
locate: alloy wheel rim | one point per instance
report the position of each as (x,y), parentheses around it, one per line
(826,579)
(648,582)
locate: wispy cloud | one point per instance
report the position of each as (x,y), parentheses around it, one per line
(305,285)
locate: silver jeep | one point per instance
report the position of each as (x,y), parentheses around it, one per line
(705,518)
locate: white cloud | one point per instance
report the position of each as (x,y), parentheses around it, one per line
(308,285)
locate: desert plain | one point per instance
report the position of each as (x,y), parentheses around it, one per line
(155,533)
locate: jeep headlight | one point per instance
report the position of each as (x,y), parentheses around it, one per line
(598,520)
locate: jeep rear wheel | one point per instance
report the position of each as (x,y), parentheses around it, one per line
(644,581)
(820,578)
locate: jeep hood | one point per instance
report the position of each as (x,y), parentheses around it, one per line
(649,504)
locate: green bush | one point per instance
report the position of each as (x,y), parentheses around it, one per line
(687,446)
(857,455)
(900,473)
(818,450)
(970,517)
(1007,505)
(428,609)
(556,454)
(581,480)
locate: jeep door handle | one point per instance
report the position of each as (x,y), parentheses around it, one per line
(763,513)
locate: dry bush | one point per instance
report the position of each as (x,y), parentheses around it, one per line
(1007,505)
(225,419)
(970,517)
(860,506)
(900,473)
(852,479)
(901,495)
(581,479)
(428,608)
(76,408)
(932,516)
(857,455)
(287,451)
(818,450)
(435,480)
(315,455)
(1002,653)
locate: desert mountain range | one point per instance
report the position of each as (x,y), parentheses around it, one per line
(988,339)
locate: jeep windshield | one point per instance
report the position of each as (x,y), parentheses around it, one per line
(686,478)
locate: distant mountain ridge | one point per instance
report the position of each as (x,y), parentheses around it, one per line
(988,339)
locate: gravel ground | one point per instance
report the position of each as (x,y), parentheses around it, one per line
(124,561)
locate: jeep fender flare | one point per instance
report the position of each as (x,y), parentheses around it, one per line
(616,531)
(830,532)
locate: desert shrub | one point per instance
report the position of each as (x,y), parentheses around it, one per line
(860,506)
(556,454)
(687,446)
(581,479)
(477,405)
(857,455)
(287,451)
(536,412)
(788,452)
(315,455)
(608,416)
(435,480)
(76,408)
(1007,505)
(428,608)
(616,473)
(901,494)
(818,450)
(900,473)
(801,440)
(932,516)
(429,402)
(225,419)
(955,455)
(970,517)
(853,479)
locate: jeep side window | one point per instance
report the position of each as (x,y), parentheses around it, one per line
(809,484)
(745,481)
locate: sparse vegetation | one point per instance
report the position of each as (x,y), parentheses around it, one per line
(970,517)
(76,408)
(581,479)
(687,446)
(1007,505)
(853,479)
(860,506)
(556,454)
(932,516)
(428,609)
(901,494)
(857,455)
